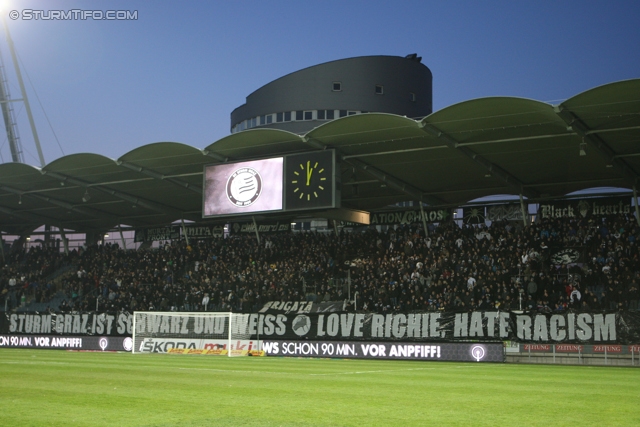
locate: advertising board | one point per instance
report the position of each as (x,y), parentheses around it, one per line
(462,352)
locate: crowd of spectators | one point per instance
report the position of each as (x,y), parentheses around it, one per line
(502,266)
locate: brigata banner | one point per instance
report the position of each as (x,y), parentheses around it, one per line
(299,307)
(567,327)
(462,352)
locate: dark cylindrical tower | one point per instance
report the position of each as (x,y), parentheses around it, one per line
(305,99)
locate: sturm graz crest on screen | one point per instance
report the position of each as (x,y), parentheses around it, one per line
(244,187)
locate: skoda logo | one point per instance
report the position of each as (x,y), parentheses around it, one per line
(301,325)
(244,187)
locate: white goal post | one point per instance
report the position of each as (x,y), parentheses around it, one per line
(224,334)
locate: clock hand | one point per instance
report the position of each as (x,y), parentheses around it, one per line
(309,172)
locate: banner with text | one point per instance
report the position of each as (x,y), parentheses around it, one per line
(585,208)
(155,234)
(460,352)
(53,342)
(412,216)
(511,212)
(567,327)
(263,227)
(87,323)
(174,232)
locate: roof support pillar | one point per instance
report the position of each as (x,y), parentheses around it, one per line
(255,225)
(124,244)
(424,220)
(525,214)
(184,231)
(635,201)
(2,249)
(65,241)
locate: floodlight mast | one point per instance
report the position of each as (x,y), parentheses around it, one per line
(14,58)
(9,117)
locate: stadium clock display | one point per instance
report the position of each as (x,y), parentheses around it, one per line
(309,180)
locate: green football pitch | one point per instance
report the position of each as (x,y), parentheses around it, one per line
(59,388)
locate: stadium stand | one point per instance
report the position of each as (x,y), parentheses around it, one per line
(455,268)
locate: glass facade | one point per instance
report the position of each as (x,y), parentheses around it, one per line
(295,116)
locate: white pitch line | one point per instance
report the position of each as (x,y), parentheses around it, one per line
(373,372)
(236,370)
(29,362)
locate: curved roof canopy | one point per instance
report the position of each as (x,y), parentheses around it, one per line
(469,150)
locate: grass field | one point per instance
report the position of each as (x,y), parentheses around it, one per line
(58,388)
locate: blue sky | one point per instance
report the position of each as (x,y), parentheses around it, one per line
(177,72)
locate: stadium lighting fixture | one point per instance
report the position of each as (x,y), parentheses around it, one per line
(86,197)
(20,199)
(583,146)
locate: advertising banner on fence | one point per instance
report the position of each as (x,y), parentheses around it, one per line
(194,346)
(55,342)
(578,349)
(567,327)
(463,352)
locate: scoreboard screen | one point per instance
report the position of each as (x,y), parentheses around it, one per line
(244,187)
(297,182)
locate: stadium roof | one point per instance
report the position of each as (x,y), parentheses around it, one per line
(481,147)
